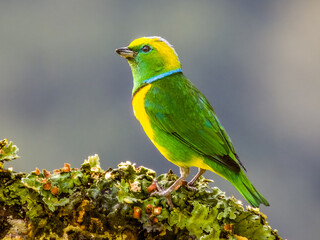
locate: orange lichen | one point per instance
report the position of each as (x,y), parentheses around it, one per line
(137,212)
(54,190)
(37,171)
(46,186)
(152,187)
(46,173)
(228,227)
(157,210)
(149,208)
(66,167)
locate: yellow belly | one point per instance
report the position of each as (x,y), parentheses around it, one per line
(140,113)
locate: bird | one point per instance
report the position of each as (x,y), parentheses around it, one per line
(179,120)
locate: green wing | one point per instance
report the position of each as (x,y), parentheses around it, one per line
(177,107)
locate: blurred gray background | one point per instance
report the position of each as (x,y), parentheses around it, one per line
(65,94)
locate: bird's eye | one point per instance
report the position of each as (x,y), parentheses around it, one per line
(145,48)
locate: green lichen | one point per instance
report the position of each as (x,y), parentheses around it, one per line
(56,188)
(91,203)
(8,152)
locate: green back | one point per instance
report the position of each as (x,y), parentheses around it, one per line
(177,107)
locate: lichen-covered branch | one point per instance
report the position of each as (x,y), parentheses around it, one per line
(91,203)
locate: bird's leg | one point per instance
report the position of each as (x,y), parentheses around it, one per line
(184,172)
(195,178)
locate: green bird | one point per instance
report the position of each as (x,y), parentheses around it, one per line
(179,120)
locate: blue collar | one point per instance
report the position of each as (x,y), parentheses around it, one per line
(162,75)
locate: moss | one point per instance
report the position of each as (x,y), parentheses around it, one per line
(91,203)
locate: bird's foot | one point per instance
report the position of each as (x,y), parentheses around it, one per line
(191,187)
(163,193)
(188,185)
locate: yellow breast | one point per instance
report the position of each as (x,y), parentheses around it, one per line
(140,113)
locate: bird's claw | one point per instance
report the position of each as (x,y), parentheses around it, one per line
(158,187)
(163,193)
(188,185)
(160,191)
(191,187)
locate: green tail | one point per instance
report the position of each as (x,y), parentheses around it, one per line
(248,191)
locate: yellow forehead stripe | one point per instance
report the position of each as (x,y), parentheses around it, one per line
(141,41)
(163,47)
(148,40)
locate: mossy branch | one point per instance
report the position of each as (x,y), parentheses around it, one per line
(91,203)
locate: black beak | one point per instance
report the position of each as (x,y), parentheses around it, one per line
(125,52)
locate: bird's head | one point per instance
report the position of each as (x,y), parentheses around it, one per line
(149,57)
